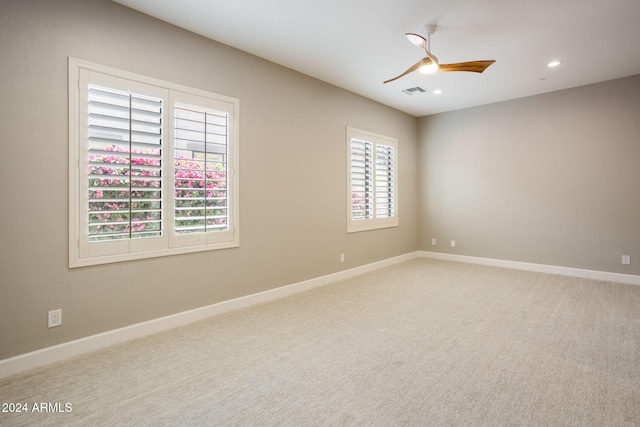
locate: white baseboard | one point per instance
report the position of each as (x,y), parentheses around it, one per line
(46,356)
(629,279)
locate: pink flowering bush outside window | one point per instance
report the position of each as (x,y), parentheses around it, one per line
(125,194)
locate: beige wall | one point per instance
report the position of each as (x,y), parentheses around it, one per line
(292,182)
(550,179)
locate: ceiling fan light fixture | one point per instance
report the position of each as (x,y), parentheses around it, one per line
(429,69)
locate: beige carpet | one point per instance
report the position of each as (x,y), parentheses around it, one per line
(420,343)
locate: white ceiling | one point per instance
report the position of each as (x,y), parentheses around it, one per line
(358,44)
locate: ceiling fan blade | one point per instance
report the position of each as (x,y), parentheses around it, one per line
(424,61)
(472,66)
(417,40)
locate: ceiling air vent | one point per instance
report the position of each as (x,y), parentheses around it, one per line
(413,90)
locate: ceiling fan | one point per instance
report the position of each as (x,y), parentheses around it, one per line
(430,64)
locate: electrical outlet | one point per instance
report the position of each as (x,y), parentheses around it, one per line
(433,242)
(626,259)
(55,318)
(453,243)
(341,257)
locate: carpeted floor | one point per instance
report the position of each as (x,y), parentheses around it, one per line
(420,343)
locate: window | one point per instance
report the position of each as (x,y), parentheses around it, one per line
(372,196)
(152,167)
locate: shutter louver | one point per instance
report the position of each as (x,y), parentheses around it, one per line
(124,165)
(201,170)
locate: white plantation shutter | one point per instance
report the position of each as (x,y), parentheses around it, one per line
(384,181)
(201,196)
(203,209)
(124,157)
(372,181)
(152,167)
(361,179)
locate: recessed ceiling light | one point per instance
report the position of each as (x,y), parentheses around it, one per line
(554,64)
(437,92)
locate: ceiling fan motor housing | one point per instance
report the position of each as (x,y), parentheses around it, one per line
(429,29)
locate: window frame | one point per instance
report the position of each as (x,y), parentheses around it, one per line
(375,221)
(85,253)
